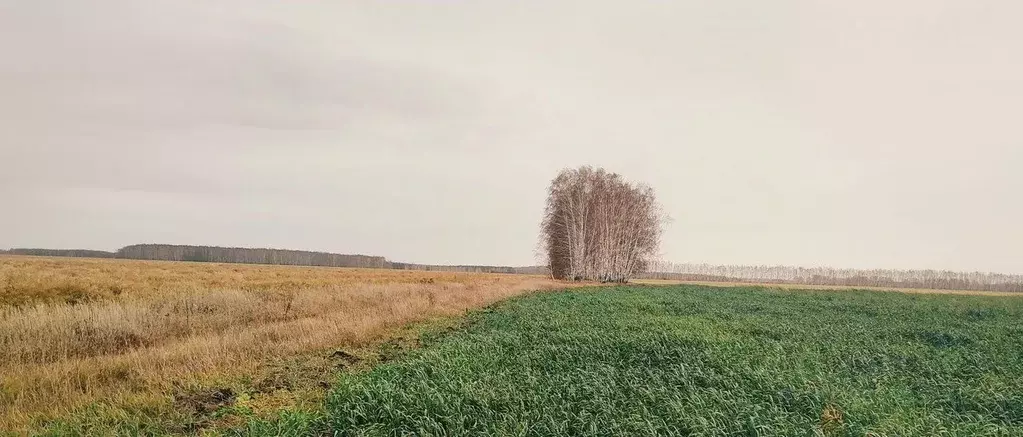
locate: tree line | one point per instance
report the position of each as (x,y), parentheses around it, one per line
(169,252)
(598,226)
(173,252)
(929,279)
(77,253)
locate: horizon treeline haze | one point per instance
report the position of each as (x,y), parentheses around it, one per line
(654,269)
(932,279)
(218,254)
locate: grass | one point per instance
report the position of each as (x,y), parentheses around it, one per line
(165,345)
(695,360)
(292,388)
(113,347)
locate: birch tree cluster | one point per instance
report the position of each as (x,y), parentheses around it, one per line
(598,226)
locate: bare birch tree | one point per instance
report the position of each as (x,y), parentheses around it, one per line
(597,226)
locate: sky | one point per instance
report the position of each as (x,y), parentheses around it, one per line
(850,134)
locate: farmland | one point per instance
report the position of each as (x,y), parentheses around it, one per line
(105,347)
(162,343)
(694,360)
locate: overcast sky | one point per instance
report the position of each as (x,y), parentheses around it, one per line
(850,134)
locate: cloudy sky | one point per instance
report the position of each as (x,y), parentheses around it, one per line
(852,134)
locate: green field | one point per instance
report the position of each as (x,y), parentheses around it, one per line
(692,360)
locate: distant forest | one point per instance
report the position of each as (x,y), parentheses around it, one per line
(884,278)
(170,252)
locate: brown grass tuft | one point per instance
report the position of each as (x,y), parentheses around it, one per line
(832,421)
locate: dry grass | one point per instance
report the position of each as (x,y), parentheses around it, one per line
(823,287)
(76,331)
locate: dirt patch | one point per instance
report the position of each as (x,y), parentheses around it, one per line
(202,402)
(397,347)
(297,374)
(344,359)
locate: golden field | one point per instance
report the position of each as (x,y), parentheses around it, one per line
(138,335)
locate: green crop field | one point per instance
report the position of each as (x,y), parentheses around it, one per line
(692,360)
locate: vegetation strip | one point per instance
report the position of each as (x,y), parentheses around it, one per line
(692,360)
(128,340)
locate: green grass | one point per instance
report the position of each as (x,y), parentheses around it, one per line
(691,360)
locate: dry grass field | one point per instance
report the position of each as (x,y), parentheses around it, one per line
(128,336)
